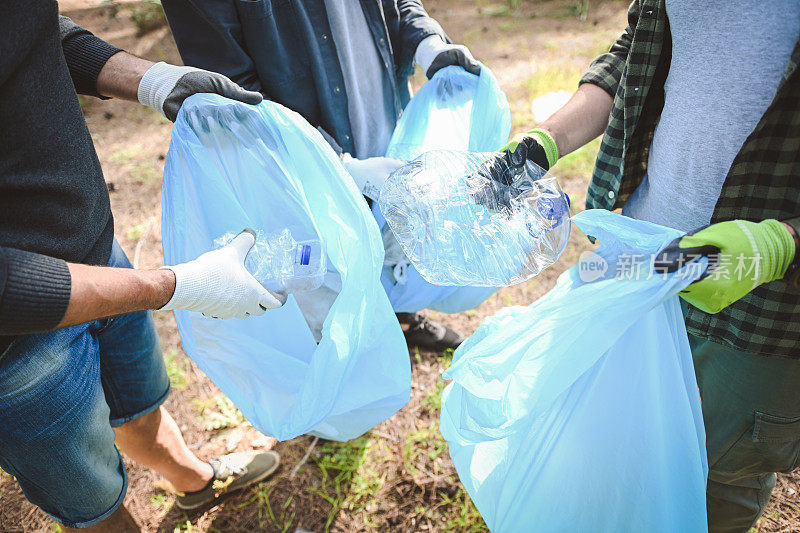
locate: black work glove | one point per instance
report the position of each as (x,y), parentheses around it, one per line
(511,158)
(433,54)
(164,87)
(526,147)
(508,164)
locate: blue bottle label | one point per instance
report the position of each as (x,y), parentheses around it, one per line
(305,254)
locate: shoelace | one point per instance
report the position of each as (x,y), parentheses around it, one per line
(229,468)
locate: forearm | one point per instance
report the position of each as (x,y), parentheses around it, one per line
(583,117)
(164,87)
(99,68)
(120,76)
(99,292)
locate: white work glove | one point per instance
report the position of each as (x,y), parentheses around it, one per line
(370,174)
(164,87)
(433,54)
(218,285)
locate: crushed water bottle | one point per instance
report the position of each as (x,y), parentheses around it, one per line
(467,218)
(282,264)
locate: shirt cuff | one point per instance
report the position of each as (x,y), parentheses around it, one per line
(34,291)
(605,72)
(86,55)
(428,49)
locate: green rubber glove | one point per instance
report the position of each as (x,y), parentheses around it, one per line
(742,255)
(536,145)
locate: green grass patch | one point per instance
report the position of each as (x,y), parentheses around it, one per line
(433,398)
(546,79)
(447,357)
(127,154)
(135,233)
(137,162)
(353,477)
(146,15)
(579,163)
(225,416)
(552,45)
(463,516)
(177,367)
(425,443)
(160,501)
(574,9)
(184,527)
(278,516)
(553,78)
(202,404)
(495,10)
(350,478)
(145,173)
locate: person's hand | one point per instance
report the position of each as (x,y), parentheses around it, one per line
(742,255)
(536,146)
(164,87)
(370,174)
(433,54)
(508,163)
(218,285)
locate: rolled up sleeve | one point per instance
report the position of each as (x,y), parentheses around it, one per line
(86,55)
(606,70)
(34,291)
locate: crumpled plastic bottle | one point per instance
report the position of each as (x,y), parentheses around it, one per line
(471,218)
(282,264)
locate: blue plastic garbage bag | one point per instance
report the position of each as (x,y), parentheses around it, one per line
(581,412)
(454,110)
(232,166)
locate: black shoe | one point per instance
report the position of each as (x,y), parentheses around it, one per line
(428,334)
(231,472)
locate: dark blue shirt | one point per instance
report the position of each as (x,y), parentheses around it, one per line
(284,49)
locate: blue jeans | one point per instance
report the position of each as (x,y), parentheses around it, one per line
(61,393)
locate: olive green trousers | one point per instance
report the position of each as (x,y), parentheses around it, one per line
(751,410)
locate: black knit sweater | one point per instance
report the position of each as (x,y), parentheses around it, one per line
(54,205)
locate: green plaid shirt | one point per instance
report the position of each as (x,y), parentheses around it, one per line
(763,181)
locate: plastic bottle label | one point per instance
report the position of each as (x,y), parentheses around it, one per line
(305,254)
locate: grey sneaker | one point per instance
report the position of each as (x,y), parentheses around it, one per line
(426,333)
(231,472)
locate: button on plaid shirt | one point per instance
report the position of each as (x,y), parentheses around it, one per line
(763,181)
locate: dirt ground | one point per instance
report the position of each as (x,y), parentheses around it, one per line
(399,476)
